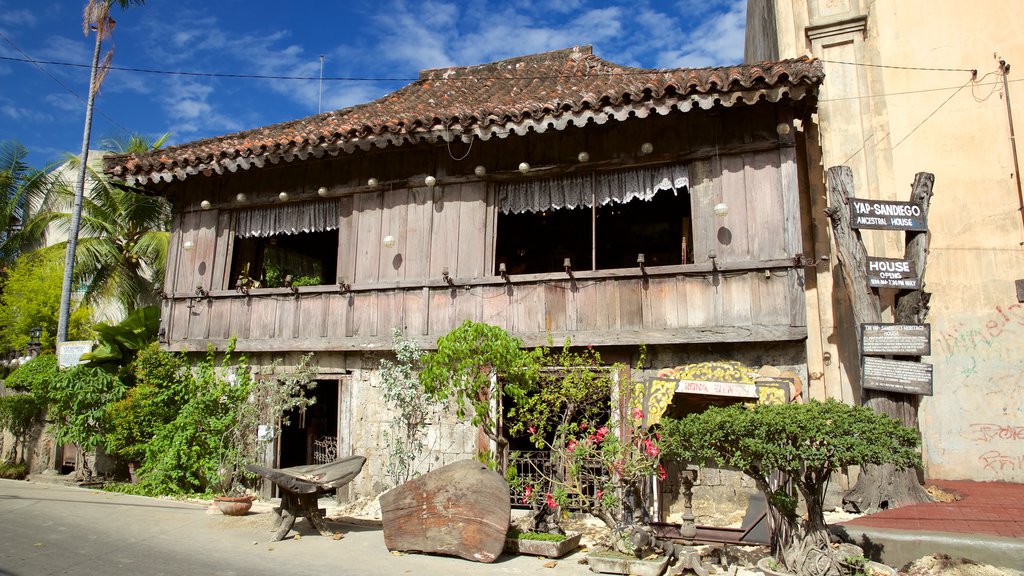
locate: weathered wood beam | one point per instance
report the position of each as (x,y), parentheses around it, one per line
(695,335)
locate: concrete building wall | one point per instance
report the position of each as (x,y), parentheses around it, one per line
(888,111)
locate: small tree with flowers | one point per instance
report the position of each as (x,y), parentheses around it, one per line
(599,469)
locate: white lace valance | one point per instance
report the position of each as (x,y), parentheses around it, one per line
(291,218)
(576,190)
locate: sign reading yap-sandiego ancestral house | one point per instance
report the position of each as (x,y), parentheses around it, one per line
(896,339)
(886,215)
(896,376)
(892,273)
(733,389)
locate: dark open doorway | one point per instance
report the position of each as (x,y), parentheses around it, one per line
(311,437)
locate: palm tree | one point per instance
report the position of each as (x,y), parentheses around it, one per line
(96,17)
(121,251)
(22,189)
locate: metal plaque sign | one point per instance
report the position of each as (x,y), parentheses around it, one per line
(896,376)
(70,353)
(886,215)
(773,390)
(733,389)
(892,273)
(896,339)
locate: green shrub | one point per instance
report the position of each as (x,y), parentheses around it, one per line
(17,471)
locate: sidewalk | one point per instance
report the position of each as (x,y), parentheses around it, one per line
(986,525)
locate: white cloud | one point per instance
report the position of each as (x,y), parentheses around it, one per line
(19,18)
(64,102)
(715,42)
(22,114)
(187,104)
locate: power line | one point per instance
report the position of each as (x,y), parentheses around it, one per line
(38,63)
(918,68)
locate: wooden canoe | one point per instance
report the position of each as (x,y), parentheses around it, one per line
(461,509)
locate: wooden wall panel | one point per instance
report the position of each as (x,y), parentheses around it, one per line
(188,260)
(394,222)
(496,306)
(630,304)
(220,319)
(415,308)
(554,307)
(659,303)
(390,312)
(735,295)
(347,243)
(764,204)
(220,279)
(444,236)
(527,302)
(338,311)
(700,295)
(287,322)
(241,317)
(264,318)
(790,189)
(199,320)
(732,231)
(472,241)
(174,253)
(771,299)
(441,311)
(363,314)
(181,316)
(416,248)
(368,207)
(704,194)
(312,316)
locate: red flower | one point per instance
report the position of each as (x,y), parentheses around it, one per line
(528,493)
(661,472)
(638,414)
(600,494)
(550,501)
(571,447)
(650,448)
(601,433)
(583,425)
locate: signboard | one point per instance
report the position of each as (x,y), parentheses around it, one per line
(892,273)
(886,215)
(70,353)
(896,339)
(773,390)
(896,376)
(733,389)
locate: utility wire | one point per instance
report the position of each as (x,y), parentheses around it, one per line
(37,64)
(918,68)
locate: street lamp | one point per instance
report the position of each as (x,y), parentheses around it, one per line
(33,341)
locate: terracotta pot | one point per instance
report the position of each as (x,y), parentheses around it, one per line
(234,506)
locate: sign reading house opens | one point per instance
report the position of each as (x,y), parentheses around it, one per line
(886,215)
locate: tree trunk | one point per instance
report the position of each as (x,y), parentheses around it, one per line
(881,487)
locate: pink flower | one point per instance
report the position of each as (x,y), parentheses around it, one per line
(550,501)
(600,494)
(601,433)
(638,414)
(650,448)
(527,493)
(531,429)
(661,472)
(571,447)
(619,466)
(583,425)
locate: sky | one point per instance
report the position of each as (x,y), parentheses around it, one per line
(376,46)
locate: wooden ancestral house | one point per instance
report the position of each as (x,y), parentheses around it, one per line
(554,195)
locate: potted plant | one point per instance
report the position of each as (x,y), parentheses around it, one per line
(540,543)
(791,451)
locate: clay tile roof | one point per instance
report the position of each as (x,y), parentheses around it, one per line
(538,91)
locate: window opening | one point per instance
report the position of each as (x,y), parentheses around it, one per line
(302,259)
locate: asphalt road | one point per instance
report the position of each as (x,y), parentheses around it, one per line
(51,529)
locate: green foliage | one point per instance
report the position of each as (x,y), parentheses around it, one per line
(410,408)
(160,391)
(462,368)
(540,536)
(77,400)
(802,443)
(30,297)
(119,343)
(206,419)
(34,374)
(306,281)
(20,414)
(13,471)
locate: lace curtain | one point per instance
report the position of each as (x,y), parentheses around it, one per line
(576,190)
(292,218)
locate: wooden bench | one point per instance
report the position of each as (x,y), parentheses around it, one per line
(301,488)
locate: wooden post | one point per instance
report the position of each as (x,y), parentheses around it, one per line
(880,487)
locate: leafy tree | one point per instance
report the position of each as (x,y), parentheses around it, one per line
(21,188)
(409,406)
(29,298)
(782,445)
(477,364)
(20,414)
(122,239)
(119,343)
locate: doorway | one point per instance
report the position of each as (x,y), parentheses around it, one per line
(311,435)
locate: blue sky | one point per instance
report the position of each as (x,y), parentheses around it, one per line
(371,40)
